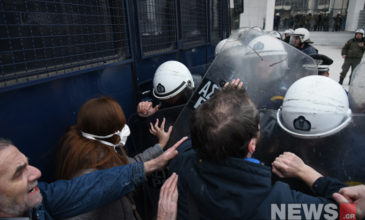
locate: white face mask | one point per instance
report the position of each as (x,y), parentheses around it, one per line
(123,134)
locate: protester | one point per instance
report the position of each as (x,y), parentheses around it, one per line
(355,195)
(218,176)
(22,196)
(97,142)
(167,205)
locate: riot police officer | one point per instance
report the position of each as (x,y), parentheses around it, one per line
(352,52)
(172,85)
(300,39)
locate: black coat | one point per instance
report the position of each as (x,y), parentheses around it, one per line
(235,188)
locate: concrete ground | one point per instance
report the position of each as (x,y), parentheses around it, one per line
(330,44)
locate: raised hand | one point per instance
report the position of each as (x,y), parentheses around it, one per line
(145,109)
(162,135)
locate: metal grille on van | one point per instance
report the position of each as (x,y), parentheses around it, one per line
(194,22)
(157,26)
(40,39)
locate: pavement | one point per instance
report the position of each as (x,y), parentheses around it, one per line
(330,44)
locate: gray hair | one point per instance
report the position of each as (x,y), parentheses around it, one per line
(5,143)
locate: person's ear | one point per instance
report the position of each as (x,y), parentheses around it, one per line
(252,145)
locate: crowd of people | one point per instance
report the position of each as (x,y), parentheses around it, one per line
(321,21)
(214,173)
(352,52)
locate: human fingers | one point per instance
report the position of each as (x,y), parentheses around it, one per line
(155,109)
(353,192)
(169,184)
(240,85)
(177,144)
(163,124)
(340,198)
(140,107)
(156,123)
(279,165)
(173,192)
(276,171)
(152,128)
(166,185)
(170,130)
(235,82)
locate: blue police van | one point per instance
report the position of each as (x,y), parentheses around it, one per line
(55,55)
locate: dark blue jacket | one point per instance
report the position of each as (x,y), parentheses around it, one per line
(308,49)
(236,189)
(66,198)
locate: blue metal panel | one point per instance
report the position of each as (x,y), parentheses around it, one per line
(210,53)
(194,57)
(35,117)
(56,55)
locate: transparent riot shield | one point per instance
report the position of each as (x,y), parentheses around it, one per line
(140,138)
(340,155)
(267,66)
(146,196)
(357,89)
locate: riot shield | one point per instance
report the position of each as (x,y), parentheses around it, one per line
(267,66)
(357,89)
(140,138)
(339,155)
(146,196)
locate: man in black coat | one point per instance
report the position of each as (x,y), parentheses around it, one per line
(219,179)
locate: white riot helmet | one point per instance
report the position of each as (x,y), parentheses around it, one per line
(360,30)
(303,35)
(226,44)
(171,78)
(258,29)
(314,107)
(273,58)
(266,45)
(289,31)
(275,34)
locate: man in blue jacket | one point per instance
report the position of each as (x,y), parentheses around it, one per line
(22,196)
(219,179)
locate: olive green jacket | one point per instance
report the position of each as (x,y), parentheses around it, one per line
(352,49)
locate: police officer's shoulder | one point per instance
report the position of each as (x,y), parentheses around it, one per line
(323,62)
(322,59)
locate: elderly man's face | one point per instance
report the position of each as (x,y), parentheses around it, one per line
(18,183)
